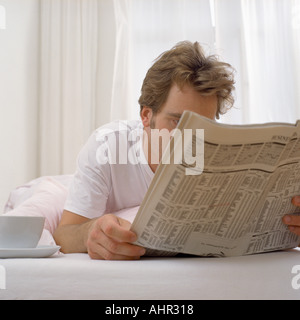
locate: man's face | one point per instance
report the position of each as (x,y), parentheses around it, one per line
(169,115)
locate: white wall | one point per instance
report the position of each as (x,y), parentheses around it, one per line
(18,94)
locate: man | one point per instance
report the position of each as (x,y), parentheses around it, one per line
(105,182)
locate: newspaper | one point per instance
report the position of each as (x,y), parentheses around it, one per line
(236,204)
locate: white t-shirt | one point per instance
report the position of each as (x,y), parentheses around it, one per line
(112,172)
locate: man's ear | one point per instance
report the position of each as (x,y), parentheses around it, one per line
(146,116)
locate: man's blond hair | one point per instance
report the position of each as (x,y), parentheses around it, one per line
(186,64)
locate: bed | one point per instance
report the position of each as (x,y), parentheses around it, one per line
(76,276)
(274,275)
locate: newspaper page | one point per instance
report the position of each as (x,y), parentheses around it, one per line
(236,204)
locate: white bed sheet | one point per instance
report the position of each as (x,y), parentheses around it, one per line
(76,276)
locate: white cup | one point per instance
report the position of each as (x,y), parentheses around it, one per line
(20,231)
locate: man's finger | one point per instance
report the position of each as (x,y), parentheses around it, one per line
(100,253)
(113,227)
(121,248)
(295,230)
(291,220)
(296,201)
(109,249)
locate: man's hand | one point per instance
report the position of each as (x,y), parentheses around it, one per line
(109,238)
(293,221)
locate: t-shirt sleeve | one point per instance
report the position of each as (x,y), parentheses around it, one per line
(91,184)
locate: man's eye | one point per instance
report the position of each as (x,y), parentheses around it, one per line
(175,122)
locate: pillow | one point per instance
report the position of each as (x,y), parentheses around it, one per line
(25,191)
(47,200)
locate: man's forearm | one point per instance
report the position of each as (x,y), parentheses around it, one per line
(73,237)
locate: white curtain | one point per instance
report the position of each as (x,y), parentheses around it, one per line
(272,60)
(77,59)
(95,54)
(68,80)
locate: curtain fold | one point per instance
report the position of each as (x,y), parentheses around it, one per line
(122,76)
(68,81)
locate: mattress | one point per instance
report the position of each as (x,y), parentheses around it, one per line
(76,276)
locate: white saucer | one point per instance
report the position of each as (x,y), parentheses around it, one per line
(38,252)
